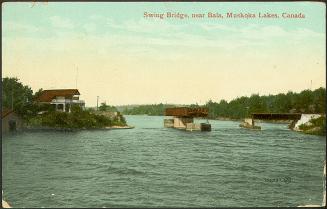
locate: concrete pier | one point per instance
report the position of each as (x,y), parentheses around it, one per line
(182,122)
(169,123)
(184,119)
(249,123)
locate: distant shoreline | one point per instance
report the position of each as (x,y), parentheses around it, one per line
(225,119)
(46,128)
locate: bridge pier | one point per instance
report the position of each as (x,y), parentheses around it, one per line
(186,123)
(292,124)
(249,123)
(181,122)
(184,118)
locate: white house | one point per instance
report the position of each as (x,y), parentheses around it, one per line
(62,99)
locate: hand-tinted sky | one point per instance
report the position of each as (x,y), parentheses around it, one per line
(127,59)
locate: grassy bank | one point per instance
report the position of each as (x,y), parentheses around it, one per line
(315,126)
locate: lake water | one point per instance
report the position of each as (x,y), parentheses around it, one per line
(153,166)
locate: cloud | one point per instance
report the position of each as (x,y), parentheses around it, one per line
(145,26)
(161,33)
(139,37)
(207,33)
(60,22)
(265,35)
(95,17)
(90,27)
(16,27)
(213,27)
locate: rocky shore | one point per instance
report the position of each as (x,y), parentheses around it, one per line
(118,127)
(313,124)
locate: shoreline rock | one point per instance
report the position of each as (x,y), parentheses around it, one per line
(119,127)
(312,124)
(249,126)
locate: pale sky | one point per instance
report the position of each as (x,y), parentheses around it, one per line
(127,59)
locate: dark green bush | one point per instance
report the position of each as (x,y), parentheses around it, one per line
(77,119)
(317,126)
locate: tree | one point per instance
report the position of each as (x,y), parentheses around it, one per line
(15,95)
(104,107)
(37,94)
(320,100)
(21,97)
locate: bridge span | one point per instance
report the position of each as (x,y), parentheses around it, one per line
(249,122)
(276,116)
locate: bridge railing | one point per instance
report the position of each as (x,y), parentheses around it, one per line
(186,112)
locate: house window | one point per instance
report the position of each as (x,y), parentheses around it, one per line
(60,107)
(60,98)
(67,107)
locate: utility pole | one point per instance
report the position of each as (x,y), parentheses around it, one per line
(97,103)
(247,111)
(12,99)
(76,76)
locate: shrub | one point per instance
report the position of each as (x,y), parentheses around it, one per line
(315,126)
(78,118)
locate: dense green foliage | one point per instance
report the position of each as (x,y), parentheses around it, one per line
(306,101)
(105,107)
(77,119)
(120,120)
(21,98)
(16,96)
(315,126)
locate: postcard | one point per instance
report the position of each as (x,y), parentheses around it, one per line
(163,104)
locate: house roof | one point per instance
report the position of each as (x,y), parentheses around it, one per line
(6,112)
(49,95)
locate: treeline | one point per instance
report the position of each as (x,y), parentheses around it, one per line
(153,109)
(306,101)
(104,107)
